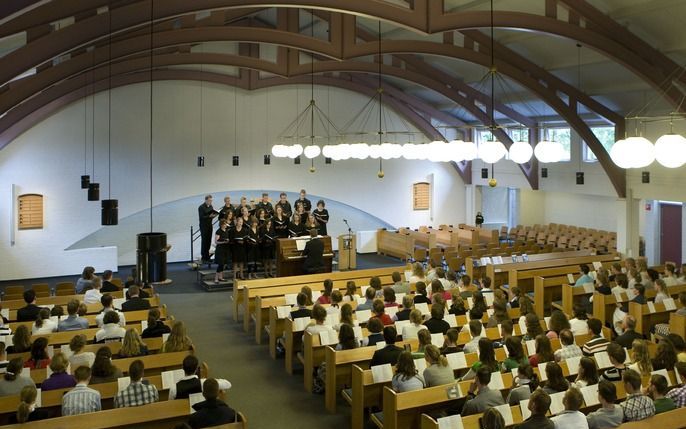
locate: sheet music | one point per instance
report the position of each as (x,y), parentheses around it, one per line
(451,319)
(291,298)
(123,383)
(556,405)
(420,365)
(450,422)
(524,406)
(573,364)
(283,311)
(300,243)
(457,360)
(602,359)
(531,347)
(506,412)
(194,398)
(496,381)
(590,394)
(170,378)
(669,304)
(541,370)
(651,307)
(589,287)
(665,374)
(300,324)
(437,339)
(363,316)
(382,373)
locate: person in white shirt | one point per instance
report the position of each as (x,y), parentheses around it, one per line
(661,289)
(417,273)
(319,316)
(579,324)
(440,276)
(475,328)
(80,357)
(670,275)
(191,368)
(107,306)
(92,296)
(111,331)
(571,417)
(43,324)
(412,330)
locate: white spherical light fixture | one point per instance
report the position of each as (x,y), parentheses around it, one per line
(670,150)
(410,151)
(521,152)
(468,150)
(396,151)
(359,150)
(295,151)
(435,151)
(549,151)
(386,150)
(280,151)
(620,154)
(641,152)
(375,151)
(491,151)
(452,151)
(344,151)
(327,150)
(312,151)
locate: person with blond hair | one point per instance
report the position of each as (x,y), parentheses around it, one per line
(132,345)
(27,411)
(178,340)
(437,370)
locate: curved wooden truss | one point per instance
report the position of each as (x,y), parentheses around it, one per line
(176,28)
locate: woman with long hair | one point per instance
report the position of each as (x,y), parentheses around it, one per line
(346,317)
(27,411)
(346,338)
(21,340)
(556,381)
(437,370)
(280,223)
(479,302)
(222,249)
(103,371)
(79,357)
(156,327)
(486,359)
(39,354)
(558,322)
(406,377)
(418,274)
(523,384)
(132,345)
(43,324)
(12,380)
(665,358)
(640,358)
(178,341)
(515,354)
(544,351)
(533,326)
(588,373)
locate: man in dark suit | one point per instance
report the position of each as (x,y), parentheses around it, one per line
(390,353)
(206,214)
(314,251)
(30,312)
(211,411)
(135,302)
(107,285)
(629,335)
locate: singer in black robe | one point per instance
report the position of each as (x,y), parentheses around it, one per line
(280,224)
(222,249)
(206,214)
(238,248)
(322,216)
(252,248)
(267,248)
(296,228)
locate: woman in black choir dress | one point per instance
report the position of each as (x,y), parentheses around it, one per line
(267,248)
(221,249)
(322,216)
(296,228)
(300,211)
(280,223)
(245,214)
(310,224)
(240,232)
(261,216)
(252,247)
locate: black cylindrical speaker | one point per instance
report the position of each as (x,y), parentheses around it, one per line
(85,181)
(110,212)
(93,191)
(151,257)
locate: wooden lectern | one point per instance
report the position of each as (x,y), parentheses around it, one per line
(347,252)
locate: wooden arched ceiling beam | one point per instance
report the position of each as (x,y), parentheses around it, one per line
(426,16)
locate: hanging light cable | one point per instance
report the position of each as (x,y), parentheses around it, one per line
(110,207)
(85,178)
(235,160)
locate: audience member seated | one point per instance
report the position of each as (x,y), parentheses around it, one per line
(12,381)
(399,286)
(579,323)
(21,340)
(640,358)
(678,394)
(379,312)
(110,331)
(499,314)
(389,298)
(480,397)
(43,325)
(92,296)
(107,285)
(80,357)
(457,306)
(190,383)
(325,297)
(30,312)
(617,357)
(450,345)
(350,292)
(515,354)
(59,379)
(406,377)
(57,310)
(558,321)
(627,338)
(418,274)
(544,351)
(479,302)
(661,291)
(420,294)
(539,403)
(346,317)
(142,293)
(436,324)
(107,306)
(571,417)
(178,340)
(657,389)
(665,357)
(81,399)
(404,313)
(212,411)
(27,411)
(39,354)
(523,384)
(346,338)
(602,283)
(73,322)
(533,326)
(3,358)
(637,406)
(156,327)
(556,382)
(486,359)
(437,288)
(588,373)
(585,277)
(297,313)
(86,280)
(568,349)
(609,415)
(597,343)
(103,369)
(138,392)
(132,345)
(437,370)
(679,346)
(375,328)
(388,354)
(135,302)
(369,295)
(475,328)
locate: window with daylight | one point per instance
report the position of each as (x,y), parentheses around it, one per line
(606,135)
(564,137)
(519,134)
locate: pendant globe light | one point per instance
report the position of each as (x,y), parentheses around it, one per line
(521,152)
(491,151)
(548,151)
(670,149)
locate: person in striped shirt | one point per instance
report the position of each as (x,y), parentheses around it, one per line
(81,399)
(597,343)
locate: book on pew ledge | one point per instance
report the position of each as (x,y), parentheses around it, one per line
(361,300)
(315,295)
(399,298)
(300,323)
(556,405)
(602,359)
(194,398)
(391,311)
(588,287)
(506,412)
(170,378)
(669,304)
(420,365)
(358,333)
(282,311)
(457,360)
(423,307)
(117,302)
(66,351)
(363,316)
(327,338)
(452,320)
(437,340)
(123,383)
(530,346)
(541,370)
(590,394)
(450,422)
(380,345)
(496,381)
(408,275)
(382,373)
(665,374)
(400,324)
(573,364)
(291,298)
(363,290)
(651,307)
(489,297)
(332,319)
(524,407)
(570,279)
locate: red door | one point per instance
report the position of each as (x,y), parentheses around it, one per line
(670,233)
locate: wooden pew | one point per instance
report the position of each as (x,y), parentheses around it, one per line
(92,308)
(645,319)
(160,415)
(132,317)
(668,420)
(16,304)
(394,243)
(154,346)
(245,290)
(677,324)
(64,337)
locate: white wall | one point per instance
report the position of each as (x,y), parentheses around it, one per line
(49,159)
